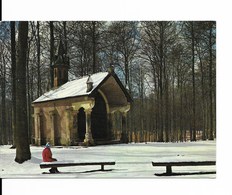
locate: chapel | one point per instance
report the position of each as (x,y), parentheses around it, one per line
(81,111)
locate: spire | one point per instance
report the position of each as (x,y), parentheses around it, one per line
(60,65)
(60,49)
(60,55)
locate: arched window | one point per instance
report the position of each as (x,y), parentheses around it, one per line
(81,122)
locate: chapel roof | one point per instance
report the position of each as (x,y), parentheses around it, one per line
(78,87)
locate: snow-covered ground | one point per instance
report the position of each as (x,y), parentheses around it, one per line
(132,160)
(132,174)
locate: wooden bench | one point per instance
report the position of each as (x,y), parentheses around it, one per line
(185,163)
(68,164)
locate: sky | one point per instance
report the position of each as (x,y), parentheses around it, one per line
(147,10)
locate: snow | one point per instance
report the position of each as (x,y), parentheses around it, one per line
(132,174)
(73,88)
(132,160)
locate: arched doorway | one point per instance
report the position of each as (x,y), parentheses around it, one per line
(99,119)
(81,121)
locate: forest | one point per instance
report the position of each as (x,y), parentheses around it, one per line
(168,67)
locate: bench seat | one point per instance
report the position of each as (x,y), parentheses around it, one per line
(68,164)
(182,163)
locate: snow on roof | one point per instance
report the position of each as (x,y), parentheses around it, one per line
(73,88)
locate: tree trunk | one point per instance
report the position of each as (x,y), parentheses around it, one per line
(161,84)
(65,38)
(94,45)
(22,146)
(181,113)
(13,72)
(39,89)
(51,54)
(29,99)
(202,98)
(126,64)
(193,132)
(3,104)
(211,136)
(173,133)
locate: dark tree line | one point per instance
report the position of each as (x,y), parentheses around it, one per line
(168,67)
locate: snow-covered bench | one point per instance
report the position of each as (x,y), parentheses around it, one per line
(68,164)
(183,163)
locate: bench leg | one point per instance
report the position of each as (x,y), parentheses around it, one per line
(168,170)
(102,167)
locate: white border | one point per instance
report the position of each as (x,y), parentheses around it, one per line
(140,10)
(112,9)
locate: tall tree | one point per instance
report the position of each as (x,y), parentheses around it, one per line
(210,48)
(21,132)
(93,29)
(39,89)
(51,53)
(190,35)
(13,73)
(65,37)
(193,137)
(3,95)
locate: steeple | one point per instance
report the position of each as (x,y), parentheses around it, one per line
(60,49)
(60,66)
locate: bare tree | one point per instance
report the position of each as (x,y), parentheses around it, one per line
(3,94)
(211,43)
(21,134)
(125,35)
(13,73)
(52,49)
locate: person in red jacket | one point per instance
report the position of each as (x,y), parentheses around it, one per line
(47,157)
